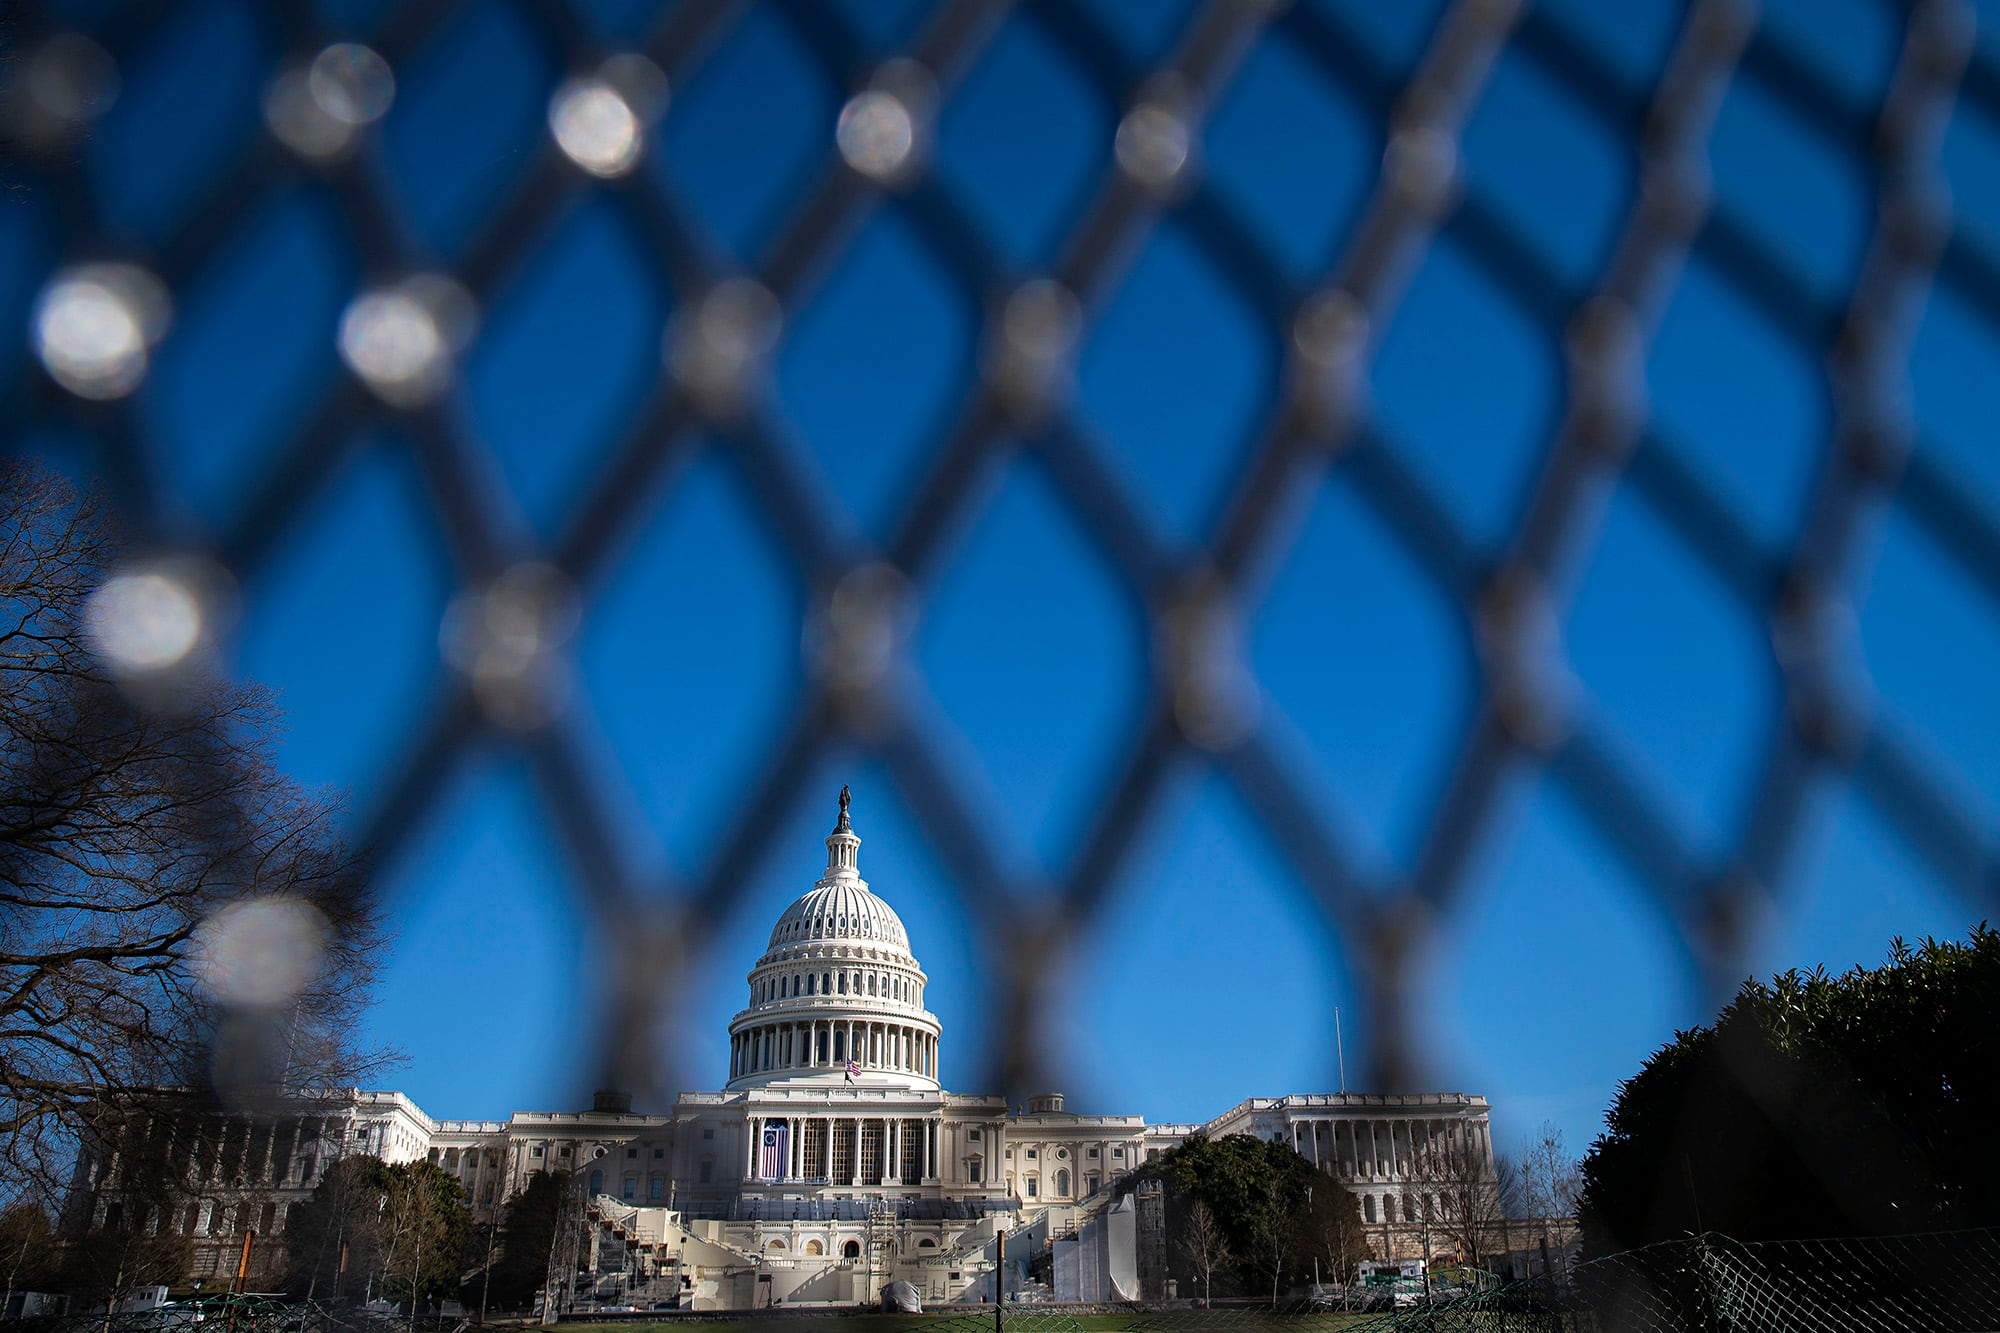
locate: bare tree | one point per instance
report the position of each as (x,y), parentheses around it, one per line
(1277,1227)
(1461,1197)
(1551,1189)
(1204,1246)
(139,803)
(1335,1232)
(27,1250)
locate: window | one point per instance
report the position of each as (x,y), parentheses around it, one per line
(775,1247)
(843,983)
(1062,1184)
(1118,1153)
(597,1182)
(851,1250)
(812,985)
(973,1135)
(1093,1152)
(657,1188)
(1010,1154)
(539,1150)
(708,1133)
(631,1152)
(658,1153)
(631,1187)
(972,1170)
(702,1174)
(1152,1154)
(1033,1190)
(814,1248)
(1031,1154)
(1090,1184)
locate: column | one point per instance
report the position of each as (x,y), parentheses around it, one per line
(827,1139)
(857,1145)
(891,1162)
(749,1132)
(1315,1134)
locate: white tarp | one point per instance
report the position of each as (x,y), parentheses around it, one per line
(1121,1235)
(902,1297)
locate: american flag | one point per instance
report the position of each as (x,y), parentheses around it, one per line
(852,1070)
(777,1139)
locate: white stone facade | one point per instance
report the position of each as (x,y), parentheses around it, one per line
(830,1162)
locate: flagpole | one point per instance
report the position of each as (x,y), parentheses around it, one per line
(1340,1049)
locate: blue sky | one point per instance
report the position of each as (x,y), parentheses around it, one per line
(1208,976)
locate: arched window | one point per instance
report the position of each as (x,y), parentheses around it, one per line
(851,1250)
(814,1248)
(927,1244)
(1062,1184)
(775,1247)
(812,985)
(597,1182)
(843,983)
(871,985)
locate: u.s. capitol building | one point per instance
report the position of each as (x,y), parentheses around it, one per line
(831,1161)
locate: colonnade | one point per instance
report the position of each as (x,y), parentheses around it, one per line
(846,1150)
(830,1044)
(1389,1149)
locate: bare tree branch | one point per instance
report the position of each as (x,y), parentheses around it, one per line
(129,820)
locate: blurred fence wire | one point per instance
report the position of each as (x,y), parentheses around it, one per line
(103,306)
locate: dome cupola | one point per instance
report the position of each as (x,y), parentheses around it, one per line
(837,995)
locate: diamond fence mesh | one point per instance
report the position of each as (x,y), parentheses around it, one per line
(499,680)
(1941,1281)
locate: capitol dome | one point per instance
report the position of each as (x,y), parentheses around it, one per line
(837,996)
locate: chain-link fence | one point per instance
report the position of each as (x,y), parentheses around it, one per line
(1942,1281)
(104,284)
(1706,1284)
